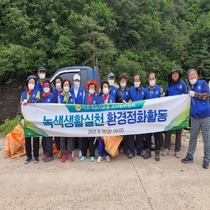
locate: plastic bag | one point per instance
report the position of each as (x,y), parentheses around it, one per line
(15,142)
(111,144)
(54,149)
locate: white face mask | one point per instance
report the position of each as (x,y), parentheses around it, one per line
(31,86)
(137,84)
(66,89)
(42,76)
(91,91)
(193,81)
(122,85)
(58,86)
(111,82)
(46,90)
(105,90)
(76,84)
(152,83)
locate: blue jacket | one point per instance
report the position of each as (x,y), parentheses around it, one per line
(199,108)
(137,94)
(80,95)
(176,88)
(93,100)
(56,94)
(101,101)
(33,97)
(49,99)
(71,99)
(124,94)
(39,87)
(157,92)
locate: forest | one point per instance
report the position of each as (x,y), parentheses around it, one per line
(125,36)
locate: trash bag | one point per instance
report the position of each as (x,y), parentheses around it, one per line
(15,143)
(111,144)
(55,151)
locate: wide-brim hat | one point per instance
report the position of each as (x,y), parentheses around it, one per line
(91,82)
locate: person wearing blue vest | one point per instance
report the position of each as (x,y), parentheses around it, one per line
(200,117)
(66,98)
(47,97)
(30,95)
(175,87)
(153,91)
(58,90)
(104,98)
(41,74)
(137,94)
(79,94)
(90,98)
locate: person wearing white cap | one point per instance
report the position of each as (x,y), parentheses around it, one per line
(79,94)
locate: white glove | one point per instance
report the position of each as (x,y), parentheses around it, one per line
(124,101)
(23,122)
(25,101)
(191,93)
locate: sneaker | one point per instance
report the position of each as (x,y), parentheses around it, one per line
(59,154)
(28,160)
(70,157)
(205,164)
(92,159)
(36,159)
(142,154)
(99,159)
(82,158)
(80,154)
(63,157)
(107,158)
(130,155)
(166,152)
(187,159)
(177,155)
(148,154)
(47,158)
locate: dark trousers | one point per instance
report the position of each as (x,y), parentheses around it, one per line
(158,140)
(88,143)
(167,142)
(35,147)
(48,145)
(125,143)
(139,144)
(57,142)
(66,144)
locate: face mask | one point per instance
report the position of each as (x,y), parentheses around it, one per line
(46,90)
(152,83)
(193,81)
(122,85)
(58,86)
(42,76)
(66,89)
(31,86)
(137,84)
(91,91)
(105,90)
(76,84)
(111,82)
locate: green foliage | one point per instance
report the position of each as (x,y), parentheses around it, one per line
(9,125)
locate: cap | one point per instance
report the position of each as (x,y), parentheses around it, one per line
(31,77)
(41,68)
(76,76)
(174,69)
(110,75)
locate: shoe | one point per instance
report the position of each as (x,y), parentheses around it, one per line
(99,159)
(142,154)
(187,159)
(166,152)
(36,159)
(63,157)
(59,154)
(157,155)
(107,158)
(80,154)
(70,157)
(130,155)
(82,158)
(147,154)
(47,158)
(205,164)
(92,159)
(28,160)
(177,155)
(125,152)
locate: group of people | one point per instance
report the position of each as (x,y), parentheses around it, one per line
(40,91)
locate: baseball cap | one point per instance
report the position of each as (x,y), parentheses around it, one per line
(76,76)
(41,68)
(110,75)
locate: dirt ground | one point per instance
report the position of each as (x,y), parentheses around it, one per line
(120,184)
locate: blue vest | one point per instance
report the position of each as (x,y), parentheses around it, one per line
(39,87)
(93,100)
(137,95)
(124,93)
(33,95)
(157,92)
(56,94)
(113,92)
(71,99)
(49,99)
(101,101)
(80,95)
(200,108)
(177,88)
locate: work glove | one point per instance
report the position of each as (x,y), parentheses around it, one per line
(23,122)
(191,93)
(25,101)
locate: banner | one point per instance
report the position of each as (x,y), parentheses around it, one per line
(146,116)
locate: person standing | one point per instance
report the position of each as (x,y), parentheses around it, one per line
(175,87)
(200,117)
(41,75)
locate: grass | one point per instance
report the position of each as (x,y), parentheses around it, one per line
(9,125)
